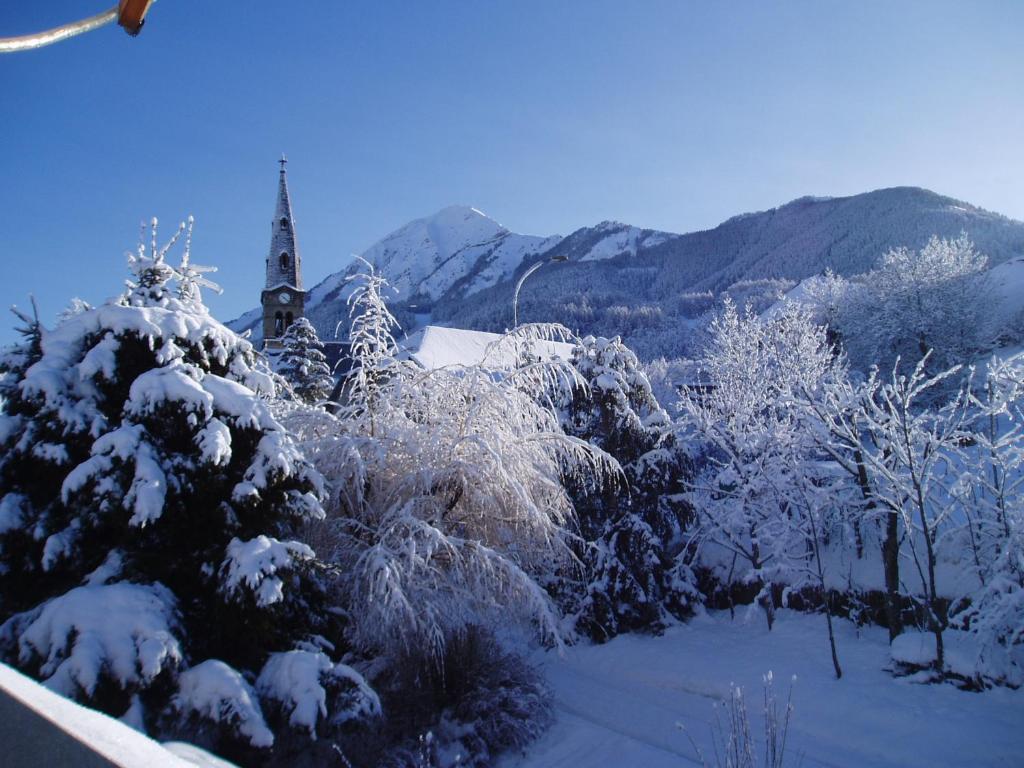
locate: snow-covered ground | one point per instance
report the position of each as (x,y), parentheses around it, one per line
(620,704)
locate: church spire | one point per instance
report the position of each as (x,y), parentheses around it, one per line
(284,266)
(283,298)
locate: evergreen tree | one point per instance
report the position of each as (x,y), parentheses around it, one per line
(303,362)
(148,507)
(632,528)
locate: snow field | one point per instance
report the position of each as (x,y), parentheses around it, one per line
(620,704)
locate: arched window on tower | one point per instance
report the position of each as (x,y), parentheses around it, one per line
(278,324)
(285,262)
(284,224)
(287,320)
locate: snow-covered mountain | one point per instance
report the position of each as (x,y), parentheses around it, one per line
(457,248)
(460,265)
(457,251)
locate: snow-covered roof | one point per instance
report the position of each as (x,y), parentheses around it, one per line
(437,347)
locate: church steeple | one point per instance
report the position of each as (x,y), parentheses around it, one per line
(283,298)
(284,266)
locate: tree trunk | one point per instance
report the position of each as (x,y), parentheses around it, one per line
(765,594)
(891,565)
(824,595)
(890,553)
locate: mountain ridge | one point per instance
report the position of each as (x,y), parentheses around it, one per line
(459,265)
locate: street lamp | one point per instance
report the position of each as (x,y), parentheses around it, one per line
(130,14)
(519,285)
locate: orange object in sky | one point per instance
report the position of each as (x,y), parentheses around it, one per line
(131,14)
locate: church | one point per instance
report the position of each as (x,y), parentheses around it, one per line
(283,299)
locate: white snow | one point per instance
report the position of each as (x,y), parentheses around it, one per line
(220,693)
(121,630)
(176,384)
(623,239)
(1007,282)
(619,704)
(194,756)
(427,256)
(115,741)
(295,679)
(214,441)
(148,490)
(962,653)
(12,509)
(255,563)
(436,347)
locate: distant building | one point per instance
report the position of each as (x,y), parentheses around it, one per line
(436,347)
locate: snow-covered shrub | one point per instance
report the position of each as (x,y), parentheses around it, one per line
(734,746)
(666,377)
(303,363)
(148,507)
(632,528)
(447,498)
(482,702)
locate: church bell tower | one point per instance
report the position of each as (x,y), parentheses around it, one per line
(283,298)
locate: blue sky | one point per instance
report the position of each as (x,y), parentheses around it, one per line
(546,115)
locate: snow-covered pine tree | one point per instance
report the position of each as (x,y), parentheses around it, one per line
(303,362)
(632,529)
(148,504)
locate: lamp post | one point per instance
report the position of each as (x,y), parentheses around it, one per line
(130,14)
(519,285)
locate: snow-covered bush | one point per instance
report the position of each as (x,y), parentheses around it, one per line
(447,510)
(483,701)
(303,363)
(302,681)
(148,507)
(120,634)
(447,497)
(632,529)
(666,377)
(733,743)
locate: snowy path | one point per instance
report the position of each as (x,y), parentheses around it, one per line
(619,704)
